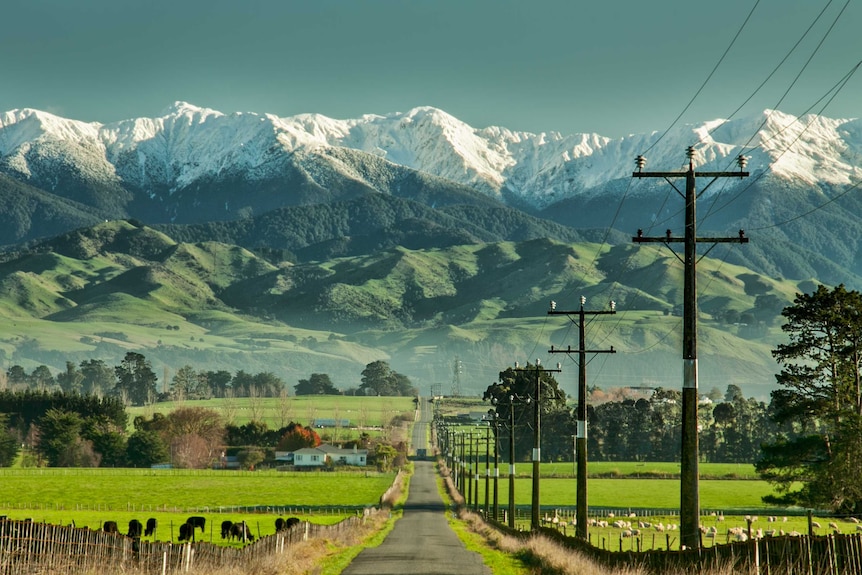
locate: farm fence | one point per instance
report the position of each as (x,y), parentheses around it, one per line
(30,547)
(835,554)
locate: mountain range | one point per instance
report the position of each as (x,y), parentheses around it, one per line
(373,192)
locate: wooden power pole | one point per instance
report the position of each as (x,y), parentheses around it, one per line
(581,439)
(689,490)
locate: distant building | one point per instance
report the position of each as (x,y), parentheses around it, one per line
(318,456)
(328,422)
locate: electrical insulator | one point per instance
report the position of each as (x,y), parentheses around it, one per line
(741,161)
(690,152)
(583,301)
(640,162)
(553,305)
(613,305)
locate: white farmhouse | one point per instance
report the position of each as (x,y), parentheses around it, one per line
(318,456)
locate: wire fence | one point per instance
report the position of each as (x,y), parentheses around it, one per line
(834,554)
(30,547)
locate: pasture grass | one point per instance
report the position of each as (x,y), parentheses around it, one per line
(91,496)
(369,414)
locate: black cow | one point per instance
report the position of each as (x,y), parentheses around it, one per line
(135,529)
(225,529)
(197,521)
(187,532)
(279,524)
(151,526)
(241,531)
(110,527)
(291,522)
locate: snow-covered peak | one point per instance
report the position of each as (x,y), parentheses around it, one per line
(186,143)
(22,126)
(180,108)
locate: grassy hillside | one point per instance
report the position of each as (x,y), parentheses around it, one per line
(99,292)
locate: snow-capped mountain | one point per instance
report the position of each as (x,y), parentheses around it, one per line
(188,145)
(195,165)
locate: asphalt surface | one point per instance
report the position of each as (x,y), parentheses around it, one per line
(421,541)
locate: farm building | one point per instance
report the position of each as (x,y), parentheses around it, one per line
(329,422)
(318,456)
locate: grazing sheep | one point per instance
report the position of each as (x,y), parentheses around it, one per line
(833,525)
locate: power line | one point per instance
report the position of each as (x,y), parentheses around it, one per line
(703,85)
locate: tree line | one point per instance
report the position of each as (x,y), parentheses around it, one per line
(78,418)
(807,441)
(135,383)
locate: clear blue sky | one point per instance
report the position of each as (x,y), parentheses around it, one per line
(609,66)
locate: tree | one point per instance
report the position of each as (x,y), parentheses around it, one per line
(252,433)
(218,382)
(189,384)
(516,391)
(248,458)
(70,380)
(8,442)
(268,384)
(384,456)
(108,440)
(146,448)
(379,379)
(136,381)
(317,384)
(98,377)
(59,438)
(196,436)
(16,377)
(42,378)
(819,401)
(296,437)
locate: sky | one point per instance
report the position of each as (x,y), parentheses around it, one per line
(612,67)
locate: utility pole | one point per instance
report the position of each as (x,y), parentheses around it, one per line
(487,469)
(537,437)
(581,513)
(689,490)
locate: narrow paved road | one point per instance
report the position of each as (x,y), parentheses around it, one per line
(421,541)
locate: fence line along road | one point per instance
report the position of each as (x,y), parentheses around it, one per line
(30,547)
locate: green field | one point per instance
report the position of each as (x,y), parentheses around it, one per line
(634,493)
(363,413)
(92,496)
